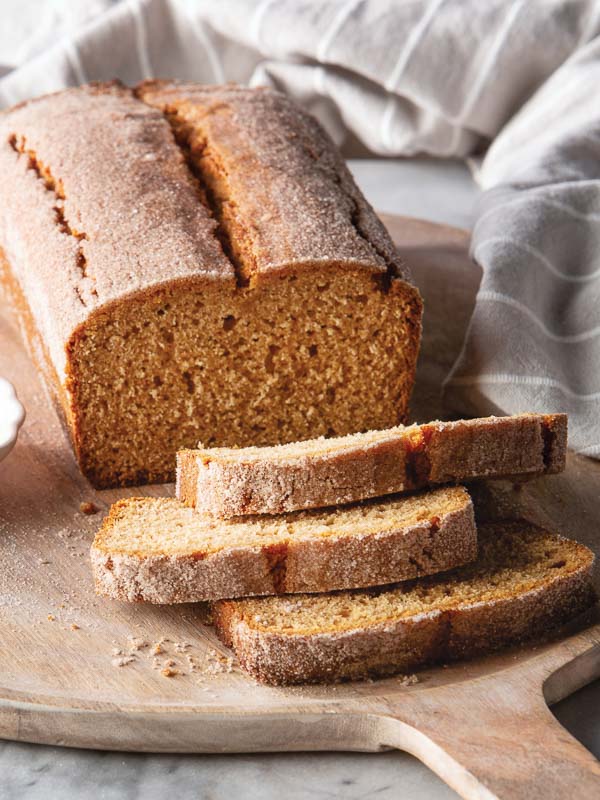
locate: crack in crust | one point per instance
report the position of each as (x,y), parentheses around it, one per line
(434,525)
(203,163)
(421,565)
(418,462)
(276,556)
(43,172)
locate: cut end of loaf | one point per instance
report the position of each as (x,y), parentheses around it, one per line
(237,367)
(231,285)
(524,583)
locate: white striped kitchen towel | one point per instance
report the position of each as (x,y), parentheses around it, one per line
(512,84)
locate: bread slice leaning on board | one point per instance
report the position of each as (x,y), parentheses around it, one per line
(525,583)
(162,552)
(322,472)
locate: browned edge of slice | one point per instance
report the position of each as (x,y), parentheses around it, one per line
(441,536)
(404,643)
(554,433)
(354,469)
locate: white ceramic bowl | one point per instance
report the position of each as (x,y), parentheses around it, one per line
(12,415)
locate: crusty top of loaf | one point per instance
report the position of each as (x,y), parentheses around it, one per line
(100,201)
(290,185)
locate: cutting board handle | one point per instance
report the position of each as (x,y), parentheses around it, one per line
(496,740)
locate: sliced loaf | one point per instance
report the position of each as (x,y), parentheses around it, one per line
(162,552)
(316,473)
(196,262)
(524,583)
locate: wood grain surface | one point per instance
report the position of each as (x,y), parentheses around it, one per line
(82,671)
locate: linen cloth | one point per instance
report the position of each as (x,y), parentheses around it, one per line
(512,85)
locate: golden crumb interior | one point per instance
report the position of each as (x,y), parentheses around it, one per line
(513,559)
(323,352)
(156,526)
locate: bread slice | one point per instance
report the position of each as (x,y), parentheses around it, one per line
(524,583)
(159,551)
(322,472)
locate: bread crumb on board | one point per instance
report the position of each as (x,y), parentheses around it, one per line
(408,680)
(217,663)
(122,661)
(169,672)
(136,643)
(162,657)
(88,508)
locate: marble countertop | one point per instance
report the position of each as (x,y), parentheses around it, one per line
(438,191)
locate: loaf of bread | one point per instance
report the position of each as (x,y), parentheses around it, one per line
(159,551)
(196,263)
(322,472)
(525,583)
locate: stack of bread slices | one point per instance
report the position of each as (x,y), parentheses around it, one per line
(357,556)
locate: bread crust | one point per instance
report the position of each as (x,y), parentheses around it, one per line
(309,564)
(227,483)
(401,645)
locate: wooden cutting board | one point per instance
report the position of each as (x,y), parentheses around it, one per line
(82,671)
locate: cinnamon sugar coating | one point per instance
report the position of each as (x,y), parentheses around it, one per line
(158,551)
(294,200)
(321,472)
(525,583)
